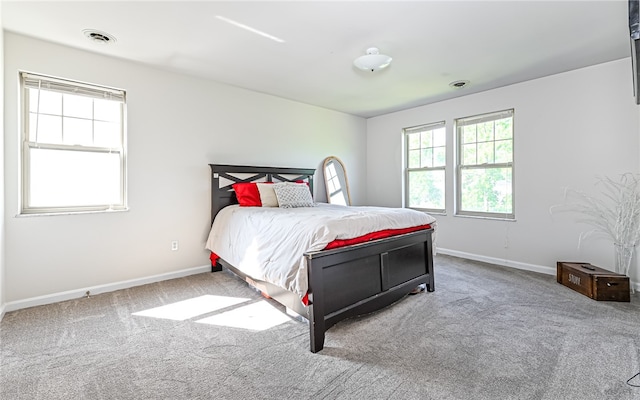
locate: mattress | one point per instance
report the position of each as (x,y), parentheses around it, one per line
(268,243)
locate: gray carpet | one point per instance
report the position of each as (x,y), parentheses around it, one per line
(487,332)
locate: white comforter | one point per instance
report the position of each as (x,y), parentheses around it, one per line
(268,243)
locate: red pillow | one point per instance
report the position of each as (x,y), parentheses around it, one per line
(247,194)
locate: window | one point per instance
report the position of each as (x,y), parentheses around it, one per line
(425,162)
(485,165)
(73,146)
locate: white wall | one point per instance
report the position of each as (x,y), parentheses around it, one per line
(176,126)
(2,237)
(569,129)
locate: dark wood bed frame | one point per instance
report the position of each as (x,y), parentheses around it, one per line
(343,282)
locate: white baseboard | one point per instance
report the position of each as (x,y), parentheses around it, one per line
(78,293)
(543,269)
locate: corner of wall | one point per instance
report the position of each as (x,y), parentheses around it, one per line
(2,274)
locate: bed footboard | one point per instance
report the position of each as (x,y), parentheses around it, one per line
(360,279)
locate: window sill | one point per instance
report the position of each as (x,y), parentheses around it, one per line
(485,217)
(53,214)
(424,210)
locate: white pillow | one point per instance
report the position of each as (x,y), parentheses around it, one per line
(267,195)
(293,195)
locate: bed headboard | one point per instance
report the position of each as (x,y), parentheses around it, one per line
(223,176)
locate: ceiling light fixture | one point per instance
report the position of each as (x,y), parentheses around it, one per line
(98,36)
(372,61)
(250,29)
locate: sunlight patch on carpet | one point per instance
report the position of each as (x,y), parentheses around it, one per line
(256,317)
(183,310)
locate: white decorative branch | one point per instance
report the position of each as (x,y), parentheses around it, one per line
(615,214)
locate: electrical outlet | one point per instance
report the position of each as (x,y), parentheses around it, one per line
(174,245)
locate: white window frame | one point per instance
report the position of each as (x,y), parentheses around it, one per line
(460,123)
(53,84)
(407,170)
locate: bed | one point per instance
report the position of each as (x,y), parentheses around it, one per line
(342,282)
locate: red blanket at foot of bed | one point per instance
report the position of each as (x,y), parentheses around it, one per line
(374,236)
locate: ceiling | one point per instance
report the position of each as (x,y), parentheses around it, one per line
(433,43)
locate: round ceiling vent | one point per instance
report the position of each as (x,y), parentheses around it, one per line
(98,36)
(458,84)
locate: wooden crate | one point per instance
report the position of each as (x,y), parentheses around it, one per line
(594,282)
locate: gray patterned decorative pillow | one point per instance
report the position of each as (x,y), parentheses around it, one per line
(293,195)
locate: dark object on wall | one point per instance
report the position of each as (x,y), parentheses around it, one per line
(634,32)
(594,282)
